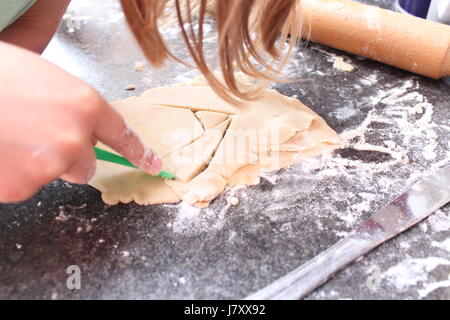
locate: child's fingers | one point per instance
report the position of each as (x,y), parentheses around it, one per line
(112,130)
(83,169)
(18,179)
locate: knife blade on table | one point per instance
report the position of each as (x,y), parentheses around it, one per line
(421,200)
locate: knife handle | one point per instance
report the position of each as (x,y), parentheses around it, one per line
(403,41)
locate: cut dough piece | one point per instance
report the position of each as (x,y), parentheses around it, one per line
(259,131)
(211,119)
(166,129)
(267,161)
(221,145)
(122,184)
(201,190)
(191,160)
(318,135)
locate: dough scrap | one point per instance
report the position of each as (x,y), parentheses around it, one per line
(209,144)
(340,64)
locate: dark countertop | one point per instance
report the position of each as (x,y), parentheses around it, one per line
(175,251)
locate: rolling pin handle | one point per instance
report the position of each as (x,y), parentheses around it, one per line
(403,41)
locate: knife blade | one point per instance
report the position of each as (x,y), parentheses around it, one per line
(411,207)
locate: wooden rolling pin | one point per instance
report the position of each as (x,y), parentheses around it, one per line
(406,42)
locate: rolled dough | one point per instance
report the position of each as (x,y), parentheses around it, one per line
(209,144)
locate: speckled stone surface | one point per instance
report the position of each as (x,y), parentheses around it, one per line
(178,252)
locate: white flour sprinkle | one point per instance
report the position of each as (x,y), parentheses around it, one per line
(188,217)
(192,220)
(445,245)
(62,217)
(428,151)
(344,112)
(369,80)
(439,221)
(412,271)
(429,288)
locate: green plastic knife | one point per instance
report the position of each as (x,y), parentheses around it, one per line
(114,158)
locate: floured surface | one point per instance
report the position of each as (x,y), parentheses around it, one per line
(209,144)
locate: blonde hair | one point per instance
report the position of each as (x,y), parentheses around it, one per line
(271,21)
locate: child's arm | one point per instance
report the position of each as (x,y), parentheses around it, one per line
(48,122)
(34,29)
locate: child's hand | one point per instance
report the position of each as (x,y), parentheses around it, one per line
(49,120)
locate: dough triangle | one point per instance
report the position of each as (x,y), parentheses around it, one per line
(192,159)
(211,119)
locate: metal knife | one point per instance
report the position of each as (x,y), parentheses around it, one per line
(421,200)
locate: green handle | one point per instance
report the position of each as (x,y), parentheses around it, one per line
(114,158)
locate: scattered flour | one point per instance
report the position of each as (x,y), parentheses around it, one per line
(188,218)
(345,112)
(62,217)
(445,245)
(429,288)
(439,221)
(412,271)
(369,80)
(192,220)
